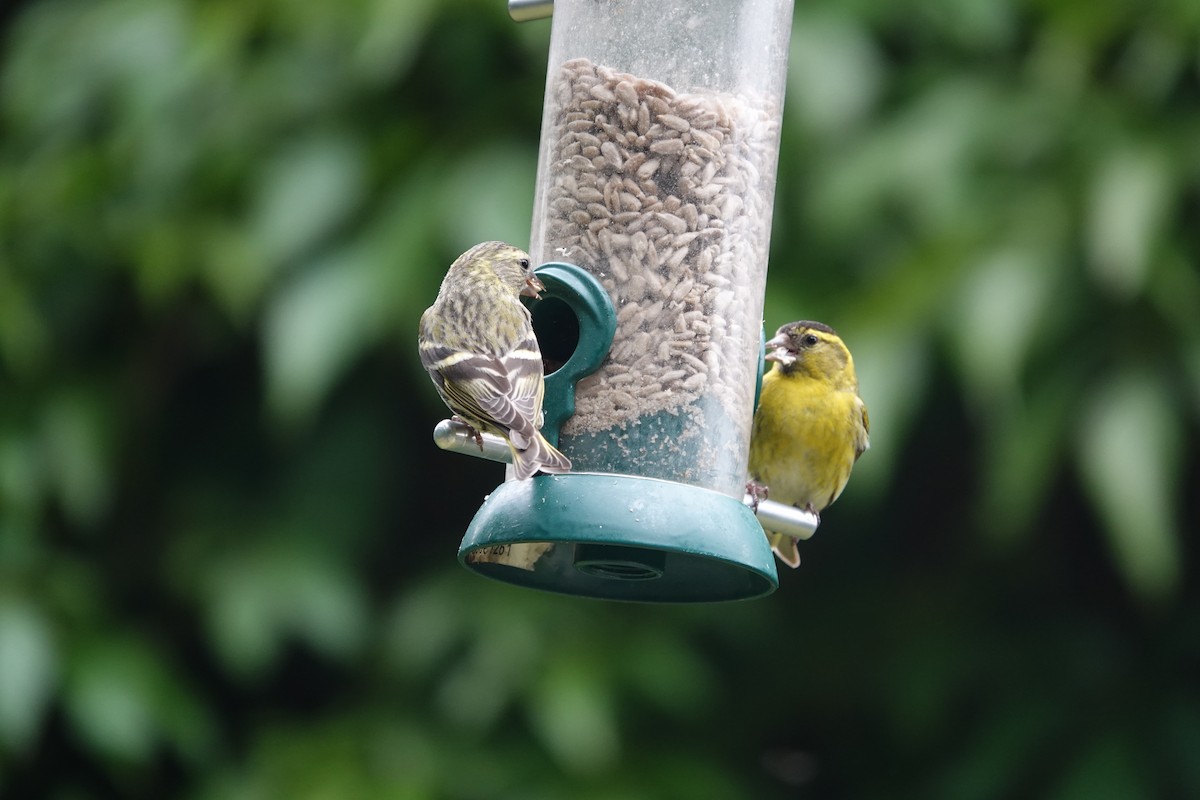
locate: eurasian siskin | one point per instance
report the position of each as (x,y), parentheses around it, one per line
(477,343)
(810,426)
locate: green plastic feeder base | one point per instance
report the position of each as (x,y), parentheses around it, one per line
(620,537)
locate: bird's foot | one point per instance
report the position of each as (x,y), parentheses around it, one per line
(809,508)
(757,492)
(474,433)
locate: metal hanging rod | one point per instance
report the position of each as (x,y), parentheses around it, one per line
(526,10)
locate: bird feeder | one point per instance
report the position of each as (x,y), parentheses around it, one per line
(652,219)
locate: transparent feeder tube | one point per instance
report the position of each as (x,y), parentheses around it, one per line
(656,173)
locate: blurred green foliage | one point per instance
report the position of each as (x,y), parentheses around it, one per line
(227,543)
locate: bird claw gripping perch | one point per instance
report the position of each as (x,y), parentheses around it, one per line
(795,522)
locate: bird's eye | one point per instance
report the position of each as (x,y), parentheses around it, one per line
(524,263)
(810,340)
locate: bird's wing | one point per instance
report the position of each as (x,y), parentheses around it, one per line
(520,408)
(504,391)
(862,441)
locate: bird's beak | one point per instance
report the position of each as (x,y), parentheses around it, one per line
(777,350)
(533,288)
(782,355)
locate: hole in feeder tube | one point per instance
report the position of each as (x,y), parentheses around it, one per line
(557,331)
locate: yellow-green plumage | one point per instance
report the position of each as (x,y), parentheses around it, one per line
(810,426)
(477,343)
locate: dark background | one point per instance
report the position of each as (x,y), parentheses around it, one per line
(227,542)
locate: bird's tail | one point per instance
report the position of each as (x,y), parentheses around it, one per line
(784,546)
(539,455)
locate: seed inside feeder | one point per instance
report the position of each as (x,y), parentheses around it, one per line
(661,195)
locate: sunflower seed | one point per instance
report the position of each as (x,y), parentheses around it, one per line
(658,194)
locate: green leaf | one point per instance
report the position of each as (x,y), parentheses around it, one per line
(1130,197)
(306,188)
(920,159)
(123,701)
(977,24)
(315,327)
(835,72)
(392,32)
(24,334)
(488,194)
(23,475)
(892,373)
(1024,447)
(1129,460)
(428,622)
(995,317)
(994,758)
(667,672)
(263,597)
(573,715)
(28,672)
(109,706)
(76,436)
(483,682)
(69,53)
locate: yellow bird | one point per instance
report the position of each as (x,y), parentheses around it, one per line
(810,426)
